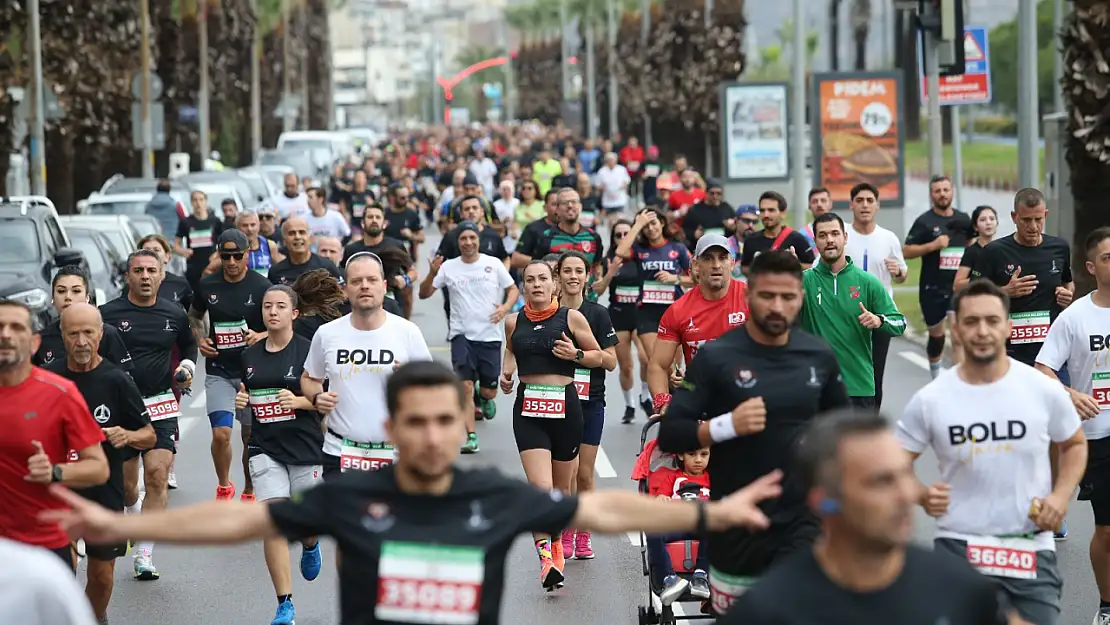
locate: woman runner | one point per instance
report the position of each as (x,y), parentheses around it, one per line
(623,281)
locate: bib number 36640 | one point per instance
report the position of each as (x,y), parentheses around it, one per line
(1004,557)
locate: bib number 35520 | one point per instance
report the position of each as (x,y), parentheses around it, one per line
(542,401)
(355,456)
(1004,557)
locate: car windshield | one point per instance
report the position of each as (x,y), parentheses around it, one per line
(132,185)
(257,187)
(119,240)
(217,194)
(276,177)
(117,208)
(19,241)
(306,144)
(300,163)
(85,240)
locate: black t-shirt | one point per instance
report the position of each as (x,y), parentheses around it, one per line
(176,288)
(1031,315)
(759,243)
(53,349)
(624,288)
(114,401)
(307,325)
(395,222)
(150,334)
(290,437)
(355,247)
(933,588)
(938,269)
(530,237)
(797,382)
(489,243)
(287,273)
(602,327)
(972,253)
(591,203)
(396,545)
(233,308)
(706,217)
(357,201)
(200,236)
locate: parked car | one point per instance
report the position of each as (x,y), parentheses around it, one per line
(145,224)
(33,245)
(119,230)
(301,162)
(247,196)
(276,175)
(260,180)
(130,204)
(107,270)
(217,192)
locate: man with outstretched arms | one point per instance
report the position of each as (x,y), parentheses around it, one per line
(150,328)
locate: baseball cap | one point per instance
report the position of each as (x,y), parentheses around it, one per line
(709,241)
(747,209)
(233,236)
(470,179)
(467,225)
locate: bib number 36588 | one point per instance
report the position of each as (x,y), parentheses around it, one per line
(1014,558)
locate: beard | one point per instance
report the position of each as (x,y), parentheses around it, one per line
(772,325)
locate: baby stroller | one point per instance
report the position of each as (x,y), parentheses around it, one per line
(683,554)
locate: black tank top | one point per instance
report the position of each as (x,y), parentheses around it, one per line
(533,341)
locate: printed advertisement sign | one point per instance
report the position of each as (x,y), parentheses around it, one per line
(754,138)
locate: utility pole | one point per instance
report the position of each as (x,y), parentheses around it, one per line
(204,120)
(146,104)
(935,133)
(1057,57)
(645,35)
(565,48)
(591,80)
(509,106)
(38,108)
(305,123)
(798,116)
(708,136)
(286,69)
(614,95)
(1028,118)
(256,87)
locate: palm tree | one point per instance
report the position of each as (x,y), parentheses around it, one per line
(1085,37)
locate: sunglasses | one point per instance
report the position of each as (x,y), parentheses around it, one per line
(749,221)
(620,235)
(266,217)
(232,255)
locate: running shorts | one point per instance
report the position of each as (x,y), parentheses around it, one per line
(1036,600)
(623,317)
(648,317)
(1095,485)
(165,433)
(330,467)
(561,436)
(935,302)
(593,421)
(105,553)
(275,480)
(220,399)
(476,359)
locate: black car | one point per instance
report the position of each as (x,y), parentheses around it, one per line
(106,268)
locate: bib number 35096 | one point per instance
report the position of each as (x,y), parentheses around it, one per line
(1004,557)
(544,401)
(356,456)
(162,406)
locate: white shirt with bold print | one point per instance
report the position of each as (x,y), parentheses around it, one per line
(1080,336)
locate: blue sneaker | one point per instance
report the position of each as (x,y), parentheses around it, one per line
(1063,533)
(310,564)
(285,614)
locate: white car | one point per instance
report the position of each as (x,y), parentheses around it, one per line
(217,192)
(121,233)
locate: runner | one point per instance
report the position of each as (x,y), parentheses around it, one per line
(320,299)
(864,568)
(879,252)
(71,286)
(151,327)
(232,302)
(1078,338)
(360,198)
(356,353)
(263,252)
(747,216)
(331,248)
(483,293)
(300,257)
(376,242)
(764,381)
(323,221)
(568,234)
(547,417)
(938,237)
(38,451)
(572,271)
(712,215)
(38,589)
(118,410)
(623,282)
(292,202)
(530,236)
(468,518)
(284,447)
(820,203)
(845,305)
(984,225)
(195,238)
(776,235)
(998,512)
(489,242)
(174,288)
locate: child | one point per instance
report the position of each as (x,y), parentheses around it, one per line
(689,482)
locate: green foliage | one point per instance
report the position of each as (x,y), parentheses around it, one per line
(774,61)
(1004,60)
(1005,125)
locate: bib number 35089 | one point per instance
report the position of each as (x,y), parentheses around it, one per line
(429,584)
(1001,557)
(544,401)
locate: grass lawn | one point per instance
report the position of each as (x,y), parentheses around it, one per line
(982,161)
(905,296)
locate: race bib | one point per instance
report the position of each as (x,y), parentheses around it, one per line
(162,406)
(1100,389)
(1003,557)
(544,401)
(582,383)
(333,206)
(658,293)
(950,258)
(358,210)
(200,238)
(266,408)
(651,171)
(725,589)
(262,271)
(230,334)
(587,219)
(356,456)
(1029,327)
(429,583)
(626,294)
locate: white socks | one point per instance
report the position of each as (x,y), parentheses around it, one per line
(628,401)
(145,547)
(645,393)
(134,509)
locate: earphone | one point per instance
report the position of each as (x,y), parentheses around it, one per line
(829,506)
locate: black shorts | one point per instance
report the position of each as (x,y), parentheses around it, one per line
(562,437)
(1095,485)
(105,553)
(476,359)
(331,467)
(623,317)
(67,556)
(647,318)
(750,554)
(935,303)
(165,432)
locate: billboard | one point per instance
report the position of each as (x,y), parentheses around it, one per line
(754,139)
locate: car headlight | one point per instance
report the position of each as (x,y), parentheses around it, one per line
(37,299)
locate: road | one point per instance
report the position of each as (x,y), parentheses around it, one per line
(226,585)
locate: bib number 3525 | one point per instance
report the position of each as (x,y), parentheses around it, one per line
(1014,558)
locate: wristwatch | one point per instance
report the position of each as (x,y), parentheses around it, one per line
(56,473)
(579,355)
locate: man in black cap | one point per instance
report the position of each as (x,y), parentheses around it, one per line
(711,215)
(232,299)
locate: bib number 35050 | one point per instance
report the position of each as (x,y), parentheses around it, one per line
(544,401)
(429,583)
(356,456)
(1004,557)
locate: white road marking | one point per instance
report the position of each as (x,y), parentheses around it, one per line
(916,359)
(198,401)
(634,538)
(602,466)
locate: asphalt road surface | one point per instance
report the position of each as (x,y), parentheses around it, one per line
(229,585)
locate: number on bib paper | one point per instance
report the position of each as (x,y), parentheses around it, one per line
(587,219)
(356,456)
(658,293)
(266,407)
(950,258)
(1100,389)
(1029,327)
(626,294)
(582,383)
(200,238)
(429,584)
(544,402)
(230,334)
(1003,561)
(358,210)
(162,406)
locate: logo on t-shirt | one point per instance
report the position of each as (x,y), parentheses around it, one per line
(250,371)
(378,517)
(745,379)
(736,318)
(125,326)
(854,292)
(213,298)
(169,327)
(363,357)
(102,414)
(48,358)
(289,374)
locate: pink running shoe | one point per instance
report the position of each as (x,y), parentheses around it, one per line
(583,546)
(568,544)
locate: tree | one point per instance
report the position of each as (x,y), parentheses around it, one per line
(470,93)
(1086,83)
(1004,60)
(773,63)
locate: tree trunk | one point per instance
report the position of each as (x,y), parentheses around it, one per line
(834,35)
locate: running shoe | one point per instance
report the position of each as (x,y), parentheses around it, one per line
(478,416)
(583,546)
(247,497)
(550,577)
(1063,533)
(144,567)
(489,408)
(1102,617)
(79,547)
(699,585)
(629,415)
(647,407)
(310,562)
(285,613)
(102,621)
(226,493)
(471,445)
(566,542)
(559,559)
(171,480)
(673,588)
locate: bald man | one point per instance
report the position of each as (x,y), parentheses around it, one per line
(330,248)
(299,259)
(118,408)
(291,201)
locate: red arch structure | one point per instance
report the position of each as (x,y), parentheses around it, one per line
(450,83)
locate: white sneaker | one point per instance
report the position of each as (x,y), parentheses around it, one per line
(171,481)
(144,567)
(81,547)
(1101,618)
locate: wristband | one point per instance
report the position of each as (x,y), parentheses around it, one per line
(313,399)
(660,401)
(189,365)
(408,280)
(721,428)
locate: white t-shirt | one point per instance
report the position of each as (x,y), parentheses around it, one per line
(476,289)
(330,224)
(485,171)
(358,362)
(991,441)
(1078,337)
(37,589)
(505,209)
(613,182)
(869,251)
(291,206)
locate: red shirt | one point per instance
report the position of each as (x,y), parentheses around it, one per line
(46,408)
(693,320)
(683,199)
(675,484)
(632,155)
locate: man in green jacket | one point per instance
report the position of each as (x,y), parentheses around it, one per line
(844,304)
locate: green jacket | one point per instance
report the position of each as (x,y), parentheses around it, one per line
(831,310)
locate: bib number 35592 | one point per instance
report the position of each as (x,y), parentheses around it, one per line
(355,456)
(544,401)
(1029,327)
(1004,557)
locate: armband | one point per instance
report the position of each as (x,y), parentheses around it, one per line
(408,280)
(721,428)
(189,365)
(660,401)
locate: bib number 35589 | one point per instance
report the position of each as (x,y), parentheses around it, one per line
(1014,558)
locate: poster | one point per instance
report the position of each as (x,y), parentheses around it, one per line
(754,136)
(859,135)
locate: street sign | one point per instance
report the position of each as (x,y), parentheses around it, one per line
(188,114)
(155,86)
(289,106)
(51,107)
(974,85)
(157,121)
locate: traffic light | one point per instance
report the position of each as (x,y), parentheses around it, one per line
(945,20)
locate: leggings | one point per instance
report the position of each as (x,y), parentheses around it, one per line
(880,346)
(561,436)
